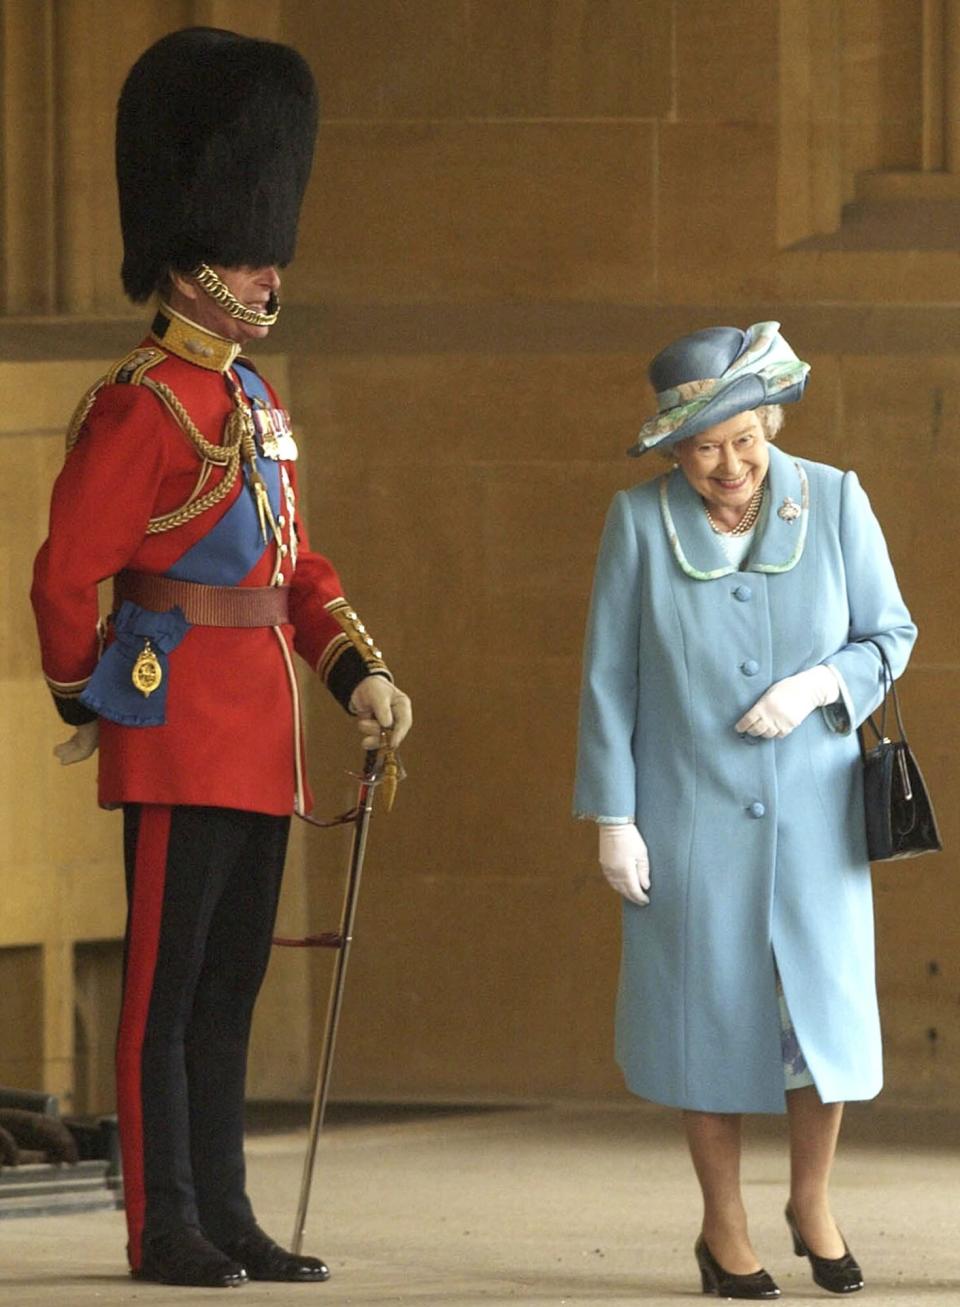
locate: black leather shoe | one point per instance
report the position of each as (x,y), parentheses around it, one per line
(265,1260)
(187,1257)
(835,1274)
(724,1284)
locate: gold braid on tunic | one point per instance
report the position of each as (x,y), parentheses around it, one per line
(239,443)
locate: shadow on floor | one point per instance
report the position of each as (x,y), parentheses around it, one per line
(281,1118)
(868,1125)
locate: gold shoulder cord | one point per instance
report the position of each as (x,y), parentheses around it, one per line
(238,439)
(131,369)
(81,412)
(226,456)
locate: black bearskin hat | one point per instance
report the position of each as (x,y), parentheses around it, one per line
(215,135)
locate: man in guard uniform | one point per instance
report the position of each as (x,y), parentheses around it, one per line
(180,483)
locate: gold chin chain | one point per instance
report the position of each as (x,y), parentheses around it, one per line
(219,291)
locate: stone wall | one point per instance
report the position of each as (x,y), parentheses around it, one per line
(515,204)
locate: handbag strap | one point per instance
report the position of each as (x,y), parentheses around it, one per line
(889,689)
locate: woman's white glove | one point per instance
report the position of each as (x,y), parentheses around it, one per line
(787,703)
(624,860)
(378,705)
(82,743)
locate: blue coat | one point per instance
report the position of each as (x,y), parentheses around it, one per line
(757,847)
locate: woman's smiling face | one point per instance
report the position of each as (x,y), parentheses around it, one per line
(726,463)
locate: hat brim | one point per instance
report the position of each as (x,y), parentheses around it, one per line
(742,394)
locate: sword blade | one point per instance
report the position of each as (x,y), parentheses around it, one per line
(335,1000)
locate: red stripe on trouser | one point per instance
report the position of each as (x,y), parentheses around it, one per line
(145,914)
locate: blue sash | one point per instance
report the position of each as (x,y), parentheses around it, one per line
(232,548)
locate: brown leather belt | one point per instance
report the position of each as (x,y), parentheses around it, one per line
(205,605)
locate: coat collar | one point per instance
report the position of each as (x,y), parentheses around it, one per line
(191,342)
(781,530)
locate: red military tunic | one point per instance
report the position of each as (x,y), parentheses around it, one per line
(231,736)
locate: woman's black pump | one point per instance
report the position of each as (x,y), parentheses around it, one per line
(835,1274)
(724,1284)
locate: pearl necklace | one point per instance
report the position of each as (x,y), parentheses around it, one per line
(749,518)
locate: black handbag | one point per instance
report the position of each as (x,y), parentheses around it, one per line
(900,819)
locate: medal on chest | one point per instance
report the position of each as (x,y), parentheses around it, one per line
(273,431)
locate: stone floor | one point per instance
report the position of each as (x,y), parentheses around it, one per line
(542,1204)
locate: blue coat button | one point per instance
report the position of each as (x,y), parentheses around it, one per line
(743,593)
(756,810)
(749,667)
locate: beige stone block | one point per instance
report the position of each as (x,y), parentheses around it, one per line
(21,1022)
(882,277)
(481,561)
(282,1053)
(536,59)
(814,428)
(467,987)
(35,460)
(251,17)
(40,397)
(98,980)
(474,409)
(414,212)
(573,59)
(929,699)
(724,69)
(27,135)
(810,180)
(717,216)
(900,413)
(881,84)
(87,224)
(59,846)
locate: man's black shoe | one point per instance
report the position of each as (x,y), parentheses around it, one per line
(265,1260)
(187,1257)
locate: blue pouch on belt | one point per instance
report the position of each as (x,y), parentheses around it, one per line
(130,683)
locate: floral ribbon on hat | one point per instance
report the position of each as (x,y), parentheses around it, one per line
(766,356)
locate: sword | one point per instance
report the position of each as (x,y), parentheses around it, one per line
(381,766)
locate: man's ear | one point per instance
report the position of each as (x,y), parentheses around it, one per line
(184,284)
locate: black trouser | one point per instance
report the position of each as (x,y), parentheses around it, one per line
(202,892)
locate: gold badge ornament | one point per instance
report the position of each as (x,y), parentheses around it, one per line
(147,672)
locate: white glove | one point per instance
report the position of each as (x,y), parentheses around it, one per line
(81,744)
(624,860)
(787,703)
(378,705)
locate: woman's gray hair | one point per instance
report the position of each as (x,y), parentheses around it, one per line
(770,417)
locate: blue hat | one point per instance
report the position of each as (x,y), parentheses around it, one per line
(712,375)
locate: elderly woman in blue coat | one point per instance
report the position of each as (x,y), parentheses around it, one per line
(728,664)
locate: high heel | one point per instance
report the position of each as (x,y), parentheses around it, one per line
(835,1274)
(724,1284)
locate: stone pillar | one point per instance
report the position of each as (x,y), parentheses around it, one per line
(27,150)
(932,75)
(951,85)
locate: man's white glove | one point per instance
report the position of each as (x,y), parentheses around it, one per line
(624,860)
(787,703)
(378,704)
(82,743)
